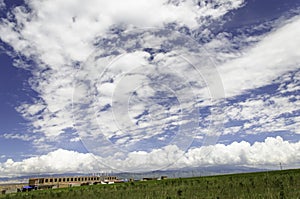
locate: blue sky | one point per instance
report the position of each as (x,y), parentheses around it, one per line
(139,86)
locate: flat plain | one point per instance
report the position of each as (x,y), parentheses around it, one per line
(271,184)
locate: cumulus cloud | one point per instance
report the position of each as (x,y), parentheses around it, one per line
(59,161)
(133,92)
(267,154)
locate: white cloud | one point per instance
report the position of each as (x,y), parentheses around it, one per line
(60,36)
(57,34)
(267,154)
(135,98)
(261,154)
(59,161)
(77,139)
(268,59)
(266,112)
(24,137)
(2,4)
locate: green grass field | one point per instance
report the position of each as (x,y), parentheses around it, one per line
(273,184)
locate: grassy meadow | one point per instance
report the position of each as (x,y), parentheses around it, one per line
(273,184)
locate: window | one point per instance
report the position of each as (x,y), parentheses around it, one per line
(51,180)
(71,179)
(41,181)
(46,180)
(67,179)
(75,179)
(59,180)
(55,180)
(64,179)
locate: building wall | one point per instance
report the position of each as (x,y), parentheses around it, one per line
(69,180)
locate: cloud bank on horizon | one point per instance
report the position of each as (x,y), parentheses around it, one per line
(148,86)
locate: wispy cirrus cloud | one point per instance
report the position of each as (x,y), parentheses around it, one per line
(56,40)
(97,75)
(24,137)
(2,4)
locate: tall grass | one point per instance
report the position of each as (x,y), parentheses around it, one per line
(276,184)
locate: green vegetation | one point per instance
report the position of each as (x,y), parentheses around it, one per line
(274,184)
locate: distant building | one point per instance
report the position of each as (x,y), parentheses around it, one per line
(68,181)
(11,188)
